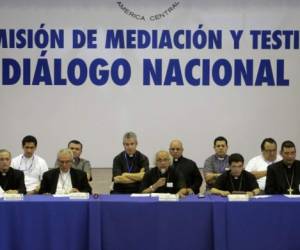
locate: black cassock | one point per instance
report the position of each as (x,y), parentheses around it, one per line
(13,180)
(283,179)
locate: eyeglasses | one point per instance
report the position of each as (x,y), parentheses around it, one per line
(163,160)
(173,149)
(64,162)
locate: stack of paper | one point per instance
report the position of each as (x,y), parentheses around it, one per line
(140,195)
(238,197)
(60,195)
(79,196)
(261,196)
(165,197)
(12,197)
(292,195)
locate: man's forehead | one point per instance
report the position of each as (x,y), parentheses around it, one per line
(74,145)
(220,142)
(237,163)
(4,155)
(29,144)
(270,145)
(177,144)
(290,149)
(129,140)
(64,156)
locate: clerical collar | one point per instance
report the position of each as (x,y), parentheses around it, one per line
(165,173)
(130,155)
(236,177)
(4,172)
(178,159)
(288,166)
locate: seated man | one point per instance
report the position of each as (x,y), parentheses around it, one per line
(11,180)
(187,167)
(65,179)
(79,163)
(216,164)
(259,164)
(32,165)
(283,177)
(236,179)
(163,178)
(129,167)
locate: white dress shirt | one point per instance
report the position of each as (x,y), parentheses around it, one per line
(33,168)
(258,163)
(64,184)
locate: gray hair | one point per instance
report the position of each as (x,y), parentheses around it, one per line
(170,158)
(5,151)
(130,135)
(65,151)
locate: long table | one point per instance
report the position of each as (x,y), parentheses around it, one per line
(117,222)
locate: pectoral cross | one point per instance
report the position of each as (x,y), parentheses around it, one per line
(290,190)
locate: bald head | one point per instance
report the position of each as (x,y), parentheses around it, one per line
(176,148)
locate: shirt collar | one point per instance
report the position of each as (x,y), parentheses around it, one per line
(288,166)
(76,160)
(130,156)
(166,173)
(6,172)
(64,173)
(26,158)
(219,158)
(236,178)
(178,160)
(269,162)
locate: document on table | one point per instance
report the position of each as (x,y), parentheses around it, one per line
(165,196)
(1,192)
(140,195)
(292,195)
(74,196)
(13,197)
(238,197)
(260,196)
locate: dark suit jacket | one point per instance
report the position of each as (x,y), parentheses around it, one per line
(14,179)
(78,178)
